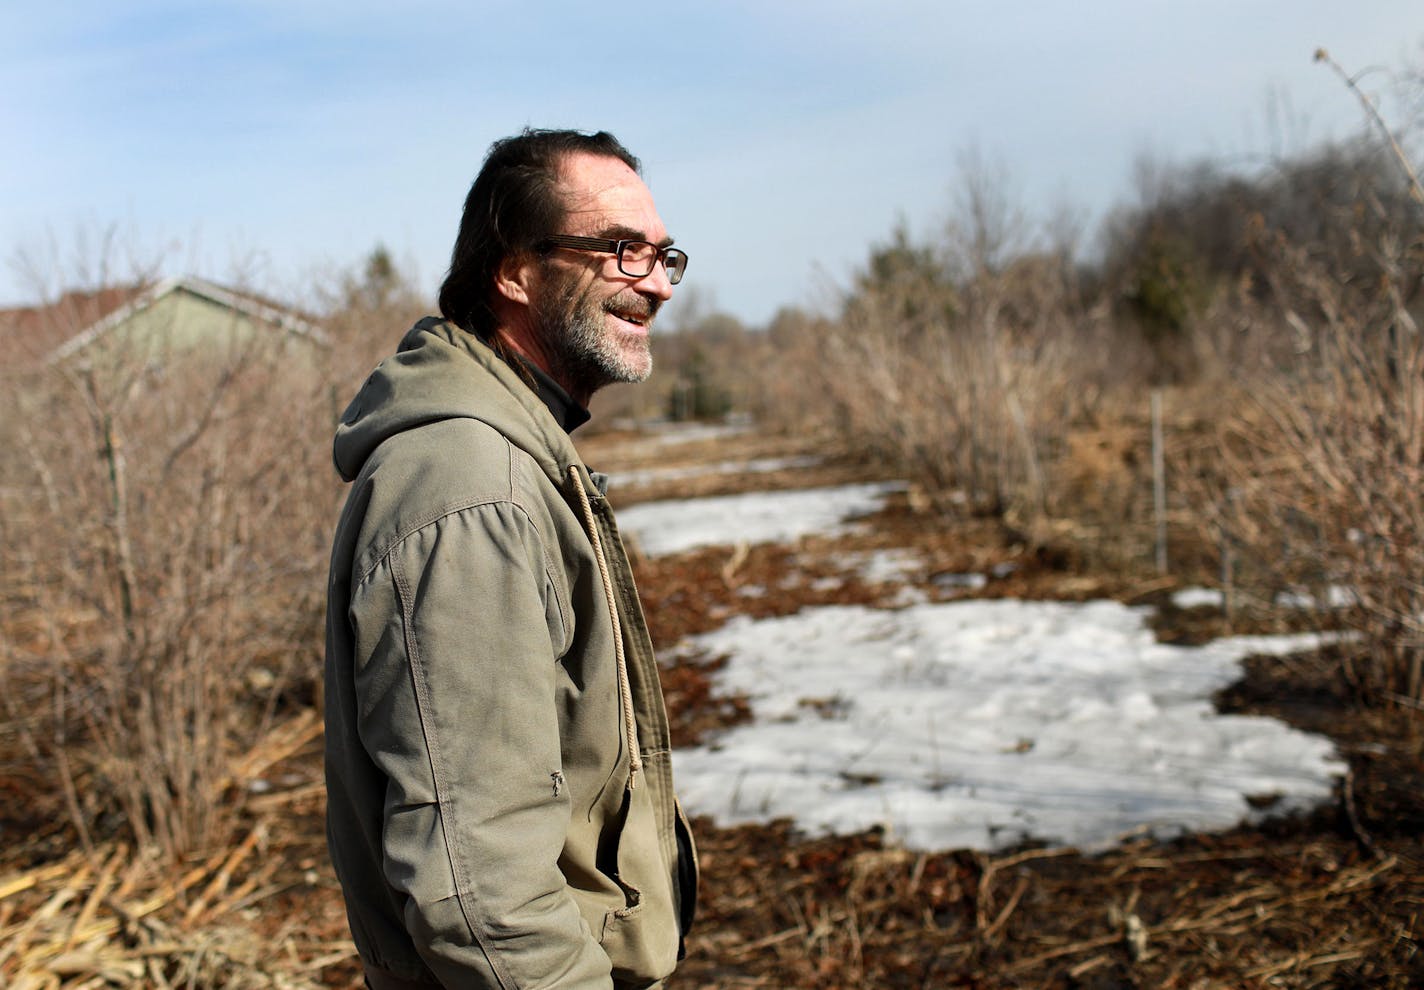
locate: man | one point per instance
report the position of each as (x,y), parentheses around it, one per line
(500,804)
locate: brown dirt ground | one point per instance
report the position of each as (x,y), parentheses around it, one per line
(1330,899)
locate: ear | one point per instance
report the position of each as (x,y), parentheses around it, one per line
(515,278)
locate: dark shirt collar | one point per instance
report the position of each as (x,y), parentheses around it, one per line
(566,412)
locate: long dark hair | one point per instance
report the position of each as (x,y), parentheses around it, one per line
(512,206)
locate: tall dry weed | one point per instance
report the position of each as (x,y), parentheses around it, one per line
(968,386)
(165,518)
(1324,466)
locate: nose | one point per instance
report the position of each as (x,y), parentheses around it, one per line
(655,283)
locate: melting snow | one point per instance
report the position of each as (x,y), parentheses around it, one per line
(974,724)
(1335,597)
(760,465)
(1198,598)
(981,724)
(758,517)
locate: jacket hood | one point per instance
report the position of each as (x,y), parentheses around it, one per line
(441,372)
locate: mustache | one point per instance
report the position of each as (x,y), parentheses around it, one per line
(644,307)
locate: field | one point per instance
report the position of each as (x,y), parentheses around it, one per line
(1327,898)
(1135,577)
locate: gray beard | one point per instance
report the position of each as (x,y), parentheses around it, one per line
(585,353)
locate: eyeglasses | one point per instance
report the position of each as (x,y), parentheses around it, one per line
(636,259)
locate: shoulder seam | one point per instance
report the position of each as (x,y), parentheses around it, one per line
(430,517)
(511,498)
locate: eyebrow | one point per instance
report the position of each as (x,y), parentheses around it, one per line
(617,232)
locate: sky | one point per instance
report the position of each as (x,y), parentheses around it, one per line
(975,724)
(278,142)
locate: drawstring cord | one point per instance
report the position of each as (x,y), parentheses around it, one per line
(625,689)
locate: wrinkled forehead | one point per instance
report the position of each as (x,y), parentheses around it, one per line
(604,197)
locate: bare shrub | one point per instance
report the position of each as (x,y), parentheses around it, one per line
(964,363)
(1324,464)
(164,514)
(1323,470)
(786,376)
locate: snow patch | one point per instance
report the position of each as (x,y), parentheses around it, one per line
(676,526)
(1336,597)
(981,724)
(1198,598)
(761,465)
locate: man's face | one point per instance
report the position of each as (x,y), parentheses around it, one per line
(595,319)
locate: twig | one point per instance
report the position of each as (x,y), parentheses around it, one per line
(1304,960)
(283,741)
(989,868)
(28,881)
(1101,941)
(991,933)
(223,876)
(1032,854)
(1415,189)
(741,951)
(734,562)
(1088,965)
(1347,795)
(101,888)
(1219,917)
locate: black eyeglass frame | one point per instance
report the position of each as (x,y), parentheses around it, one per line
(607,245)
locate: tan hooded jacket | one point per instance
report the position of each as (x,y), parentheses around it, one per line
(500,801)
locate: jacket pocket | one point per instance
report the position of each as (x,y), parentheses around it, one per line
(641,938)
(687,872)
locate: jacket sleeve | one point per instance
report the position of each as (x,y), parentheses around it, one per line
(456,675)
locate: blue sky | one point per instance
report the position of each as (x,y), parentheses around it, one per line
(278,141)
